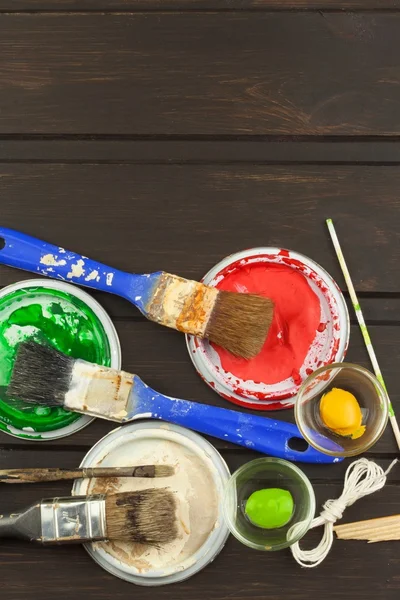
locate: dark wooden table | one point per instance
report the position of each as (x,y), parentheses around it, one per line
(166,134)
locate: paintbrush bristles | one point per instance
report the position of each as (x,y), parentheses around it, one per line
(240,323)
(41,374)
(144,516)
(161,471)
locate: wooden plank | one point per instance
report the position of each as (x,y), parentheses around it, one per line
(243,149)
(218,5)
(377,311)
(352,568)
(160,357)
(200,73)
(184,219)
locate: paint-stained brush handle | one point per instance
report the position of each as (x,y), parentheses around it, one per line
(269,436)
(31,254)
(55,474)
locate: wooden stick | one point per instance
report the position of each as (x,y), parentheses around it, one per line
(55,474)
(363,327)
(372,530)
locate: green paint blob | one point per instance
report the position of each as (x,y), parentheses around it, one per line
(58,318)
(270,508)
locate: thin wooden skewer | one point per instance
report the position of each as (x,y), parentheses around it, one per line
(56,474)
(373,530)
(363,327)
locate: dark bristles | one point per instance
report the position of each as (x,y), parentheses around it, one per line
(145,516)
(163,470)
(240,323)
(41,375)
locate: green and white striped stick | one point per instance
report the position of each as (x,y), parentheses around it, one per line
(363,327)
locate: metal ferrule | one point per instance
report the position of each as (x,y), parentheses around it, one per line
(76,519)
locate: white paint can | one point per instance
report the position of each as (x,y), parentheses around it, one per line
(199,481)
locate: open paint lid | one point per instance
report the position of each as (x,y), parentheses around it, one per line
(74,323)
(198,484)
(329,332)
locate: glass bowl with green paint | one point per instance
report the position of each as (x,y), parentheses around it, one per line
(68,319)
(269,504)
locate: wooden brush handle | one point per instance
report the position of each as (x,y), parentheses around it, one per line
(374,530)
(38,475)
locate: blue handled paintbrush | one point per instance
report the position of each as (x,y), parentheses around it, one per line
(237,322)
(45,376)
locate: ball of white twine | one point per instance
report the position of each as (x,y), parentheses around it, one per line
(363,477)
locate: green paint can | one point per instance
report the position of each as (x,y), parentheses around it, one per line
(68,319)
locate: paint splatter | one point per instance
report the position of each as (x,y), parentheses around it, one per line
(77,269)
(51,260)
(92,276)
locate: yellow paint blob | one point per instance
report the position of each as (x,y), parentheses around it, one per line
(341,413)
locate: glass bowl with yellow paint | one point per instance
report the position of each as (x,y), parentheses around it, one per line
(65,317)
(342,409)
(269,504)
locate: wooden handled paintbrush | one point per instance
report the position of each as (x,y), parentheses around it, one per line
(58,474)
(237,322)
(144,516)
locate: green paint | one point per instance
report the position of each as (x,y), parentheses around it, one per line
(270,508)
(62,320)
(365,333)
(357,307)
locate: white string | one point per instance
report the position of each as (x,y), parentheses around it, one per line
(362,477)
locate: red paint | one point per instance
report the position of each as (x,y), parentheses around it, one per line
(321,327)
(254,405)
(295,323)
(296,377)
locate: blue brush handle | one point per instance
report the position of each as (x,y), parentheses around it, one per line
(28,253)
(251,431)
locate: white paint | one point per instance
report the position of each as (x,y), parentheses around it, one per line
(197,488)
(147,415)
(61,250)
(109,278)
(93,275)
(242,289)
(99,391)
(77,269)
(51,260)
(169,304)
(137,298)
